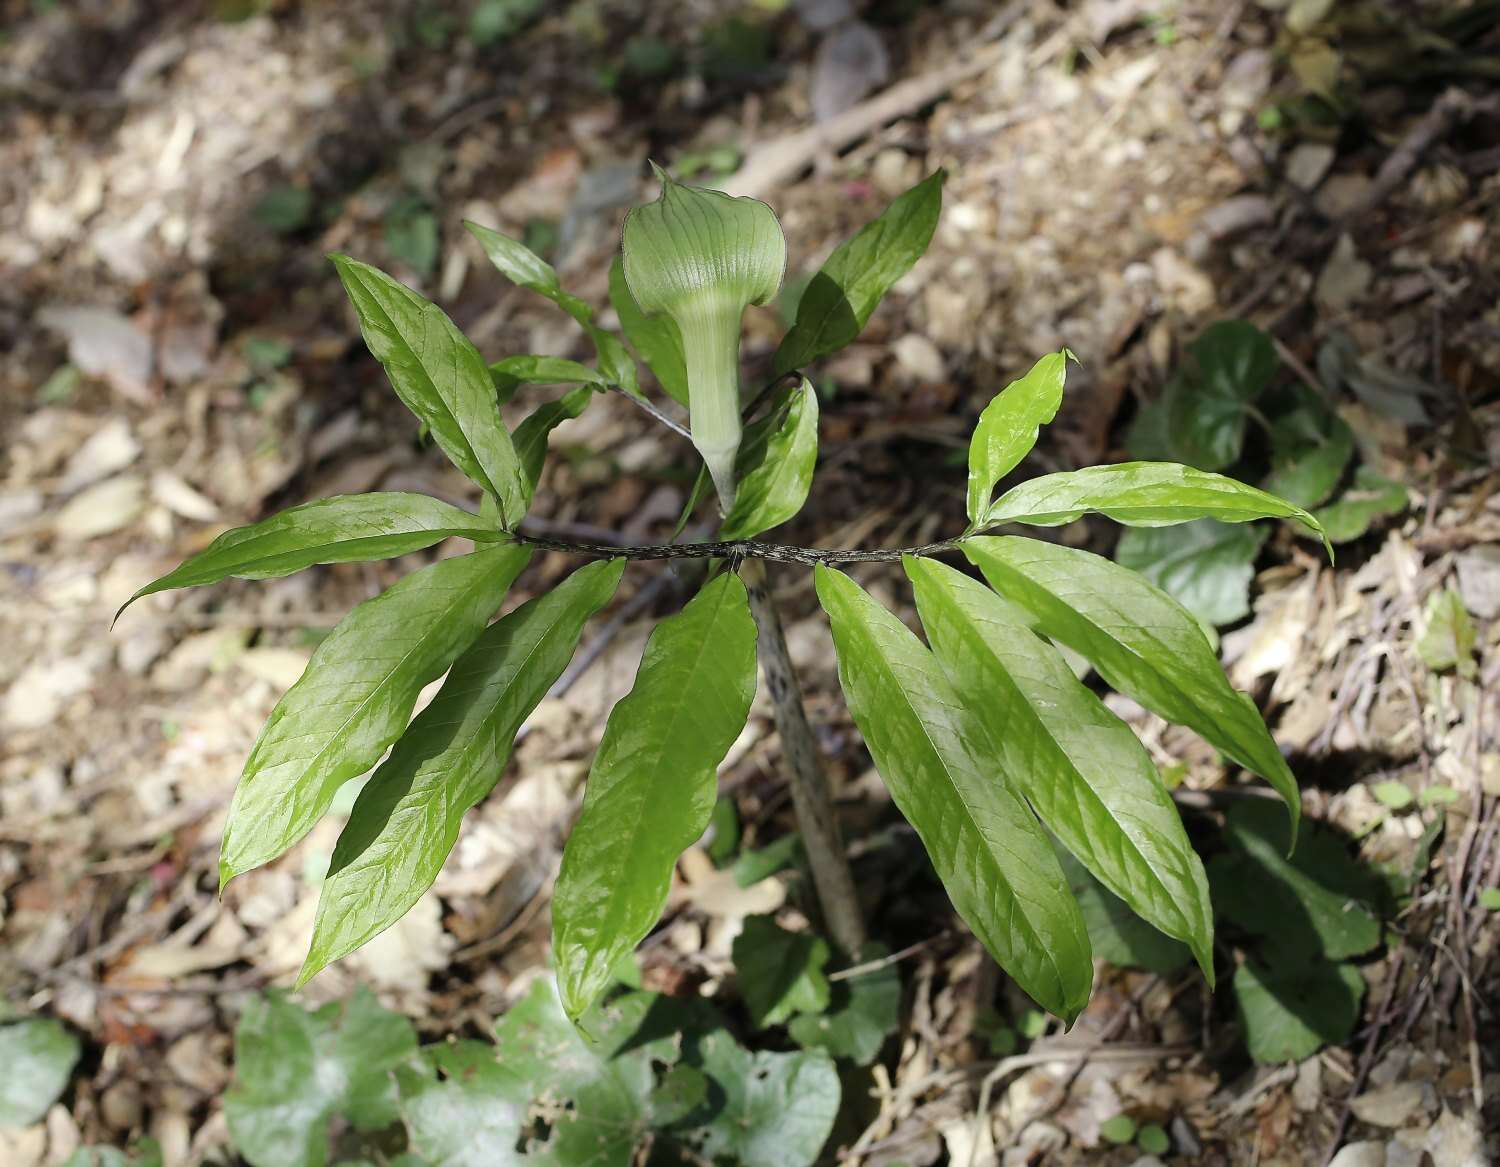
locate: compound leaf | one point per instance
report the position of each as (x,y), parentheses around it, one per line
(841,296)
(1008,427)
(655,338)
(294,1071)
(347,528)
(652,786)
(38,1055)
(938,760)
(406,819)
(354,699)
(440,377)
(1140,494)
(776,488)
(1078,764)
(1144,644)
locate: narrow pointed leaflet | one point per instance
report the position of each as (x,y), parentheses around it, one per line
(652,786)
(1078,764)
(406,819)
(940,765)
(1007,429)
(354,699)
(1144,644)
(441,378)
(348,528)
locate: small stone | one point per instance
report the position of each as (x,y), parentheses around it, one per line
(1308,164)
(103,343)
(919,358)
(1366,1154)
(1341,194)
(1390,1107)
(1479,580)
(38,695)
(17,507)
(108,450)
(181,499)
(102,509)
(120,1106)
(1236,215)
(1247,78)
(1345,278)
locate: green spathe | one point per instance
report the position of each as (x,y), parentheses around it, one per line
(701,257)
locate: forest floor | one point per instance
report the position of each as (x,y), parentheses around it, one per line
(176,356)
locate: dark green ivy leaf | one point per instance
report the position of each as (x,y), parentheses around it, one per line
(863,1010)
(1205,565)
(38,1055)
(295,1071)
(780,972)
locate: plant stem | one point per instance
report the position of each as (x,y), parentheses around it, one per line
(738,549)
(811,798)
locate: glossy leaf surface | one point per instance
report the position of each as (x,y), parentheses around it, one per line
(1141,494)
(776,488)
(406,819)
(842,295)
(652,785)
(355,697)
(940,765)
(440,377)
(534,370)
(1008,427)
(347,528)
(1144,644)
(1078,764)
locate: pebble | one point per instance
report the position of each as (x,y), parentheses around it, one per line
(1389,1107)
(1479,580)
(1308,164)
(919,358)
(1366,1154)
(102,509)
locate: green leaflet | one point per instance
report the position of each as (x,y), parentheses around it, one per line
(655,338)
(938,760)
(406,819)
(1078,764)
(1144,644)
(532,434)
(347,528)
(535,370)
(295,1071)
(775,490)
(1140,494)
(652,786)
(841,296)
(1007,429)
(355,697)
(441,378)
(522,266)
